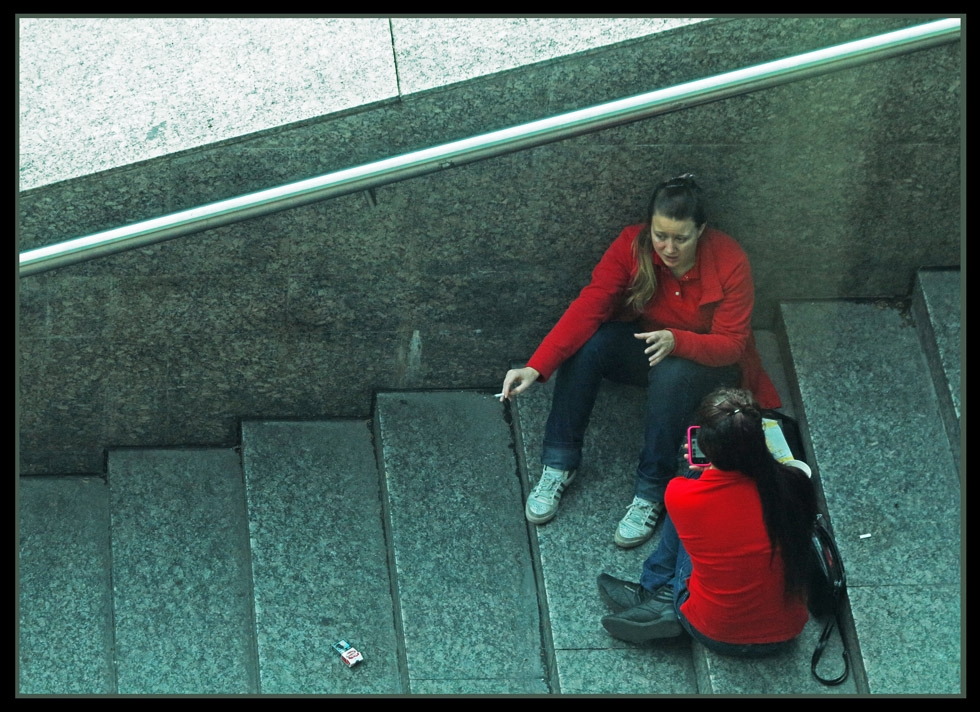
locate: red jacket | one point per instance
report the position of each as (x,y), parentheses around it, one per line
(737,586)
(709,310)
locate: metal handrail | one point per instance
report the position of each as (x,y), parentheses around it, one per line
(495,143)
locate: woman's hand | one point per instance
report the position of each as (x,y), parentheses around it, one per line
(517,381)
(659,345)
(691,465)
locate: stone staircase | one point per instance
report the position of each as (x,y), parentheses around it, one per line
(232,571)
(881,389)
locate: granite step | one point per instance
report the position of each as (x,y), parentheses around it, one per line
(936,306)
(140,586)
(319,561)
(880,450)
(577,545)
(467,603)
(65,641)
(181,580)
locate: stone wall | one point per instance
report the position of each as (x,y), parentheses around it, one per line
(837,186)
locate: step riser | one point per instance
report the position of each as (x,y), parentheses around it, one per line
(66,637)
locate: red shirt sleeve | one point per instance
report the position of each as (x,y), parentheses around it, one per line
(597,303)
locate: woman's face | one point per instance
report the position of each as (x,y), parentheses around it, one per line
(676,241)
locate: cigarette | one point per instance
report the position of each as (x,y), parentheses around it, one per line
(498,395)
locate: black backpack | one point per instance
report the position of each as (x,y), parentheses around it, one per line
(827,582)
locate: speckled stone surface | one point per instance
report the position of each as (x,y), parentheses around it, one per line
(772,352)
(662,670)
(942,294)
(891,485)
(65,600)
(818,180)
(318,558)
(96,93)
(937,306)
(908,640)
(180,571)
(434,52)
(785,674)
(467,599)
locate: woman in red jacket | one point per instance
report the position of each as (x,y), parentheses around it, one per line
(669,307)
(732,562)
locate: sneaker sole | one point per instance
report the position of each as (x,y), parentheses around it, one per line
(543,518)
(625,543)
(539,519)
(633,632)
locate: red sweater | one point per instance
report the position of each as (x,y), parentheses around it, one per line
(709,310)
(736,589)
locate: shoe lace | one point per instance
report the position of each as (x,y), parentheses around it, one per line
(639,512)
(549,482)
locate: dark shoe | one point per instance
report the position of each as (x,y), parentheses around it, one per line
(621,595)
(652,619)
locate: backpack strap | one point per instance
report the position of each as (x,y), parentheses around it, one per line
(818,652)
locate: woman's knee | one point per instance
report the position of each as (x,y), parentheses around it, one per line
(604,345)
(672,373)
(675,374)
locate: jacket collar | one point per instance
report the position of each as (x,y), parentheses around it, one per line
(705,268)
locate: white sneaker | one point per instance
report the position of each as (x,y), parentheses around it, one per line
(542,503)
(637,526)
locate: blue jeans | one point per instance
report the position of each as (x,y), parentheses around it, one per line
(670,565)
(675,388)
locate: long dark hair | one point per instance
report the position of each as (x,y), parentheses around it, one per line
(733,438)
(679,198)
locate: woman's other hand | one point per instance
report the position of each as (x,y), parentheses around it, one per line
(691,465)
(659,344)
(517,381)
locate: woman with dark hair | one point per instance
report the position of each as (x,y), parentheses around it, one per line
(732,562)
(669,307)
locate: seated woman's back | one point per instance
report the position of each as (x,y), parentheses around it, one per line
(737,591)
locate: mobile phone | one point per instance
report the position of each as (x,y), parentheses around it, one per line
(695,455)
